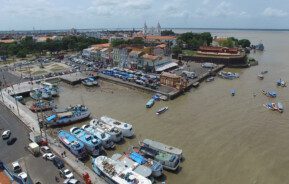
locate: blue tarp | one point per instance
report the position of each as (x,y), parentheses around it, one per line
(50,118)
(137,158)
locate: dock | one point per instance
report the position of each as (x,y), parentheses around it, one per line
(73,78)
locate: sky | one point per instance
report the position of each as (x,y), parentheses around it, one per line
(93,14)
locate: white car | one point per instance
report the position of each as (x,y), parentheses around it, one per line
(6,134)
(49,156)
(45,149)
(16,167)
(71,181)
(66,173)
(23,176)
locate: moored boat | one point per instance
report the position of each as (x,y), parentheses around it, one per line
(92,143)
(162,110)
(54,89)
(126,128)
(135,166)
(228,75)
(72,144)
(150,103)
(281,83)
(169,161)
(268,106)
(274,106)
(41,106)
(233,92)
(210,79)
(280,107)
(46,94)
(93,80)
(163,147)
(155,166)
(101,134)
(260,76)
(116,172)
(264,72)
(36,94)
(115,133)
(72,115)
(272,94)
(87,82)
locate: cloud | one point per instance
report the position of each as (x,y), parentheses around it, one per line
(272,12)
(223,9)
(205,2)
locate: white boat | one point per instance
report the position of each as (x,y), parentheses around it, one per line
(136,167)
(116,172)
(280,107)
(116,134)
(162,110)
(260,76)
(101,134)
(163,147)
(125,128)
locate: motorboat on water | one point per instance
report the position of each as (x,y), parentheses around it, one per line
(72,115)
(41,106)
(281,83)
(163,147)
(260,76)
(233,92)
(135,166)
(162,110)
(72,144)
(150,103)
(210,79)
(271,94)
(268,106)
(125,128)
(155,166)
(115,133)
(280,107)
(116,172)
(101,134)
(169,161)
(92,143)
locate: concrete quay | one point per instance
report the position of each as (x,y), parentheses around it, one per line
(30,120)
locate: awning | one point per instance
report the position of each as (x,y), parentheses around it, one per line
(166,66)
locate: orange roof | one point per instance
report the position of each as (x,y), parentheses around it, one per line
(160,37)
(7,41)
(150,57)
(100,46)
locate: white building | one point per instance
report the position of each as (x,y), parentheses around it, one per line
(153,30)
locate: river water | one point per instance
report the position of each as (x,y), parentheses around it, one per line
(225,139)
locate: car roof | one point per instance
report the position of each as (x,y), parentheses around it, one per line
(16,163)
(6,131)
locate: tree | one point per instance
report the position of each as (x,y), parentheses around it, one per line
(168,33)
(177,50)
(195,40)
(244,43)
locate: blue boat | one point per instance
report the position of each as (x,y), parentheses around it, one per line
(71,115)
(93,80)
(156,97)
(102,135)
(228,75)
(272,94)
(156,167)
(92,143)
(233,92)
(72,144)
(281,83)
(150,103)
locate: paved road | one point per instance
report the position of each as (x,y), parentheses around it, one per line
(10,78)
(38,168)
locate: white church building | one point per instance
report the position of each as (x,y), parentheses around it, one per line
(152,30)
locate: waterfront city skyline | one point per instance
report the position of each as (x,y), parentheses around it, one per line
(91,14)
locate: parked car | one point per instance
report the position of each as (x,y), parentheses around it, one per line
(58,162)
(23,176)
(11,141)
(16,167)
(45,149)
(6,134)
(71,181)
(66,173)
(49,156)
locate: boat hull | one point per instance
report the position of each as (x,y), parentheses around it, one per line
(71,120)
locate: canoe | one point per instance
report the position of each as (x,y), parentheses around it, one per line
(162,110)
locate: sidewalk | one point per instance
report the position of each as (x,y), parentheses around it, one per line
(30,120)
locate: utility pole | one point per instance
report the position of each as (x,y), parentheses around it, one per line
(15,100)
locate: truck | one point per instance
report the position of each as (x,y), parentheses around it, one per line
(34,148)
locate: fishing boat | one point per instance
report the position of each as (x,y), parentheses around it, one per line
(102,135)
(150,103)
(268,106)
(274,106)
(41,106)
(155,166)
(36,94)
(92,143)
(72,115)
(163,147)
(54,89)
(169,161)
(125,128)
(272,94)
(93,80)
(135,166)
(233,92)
(281,83)
(156,97)
(264,72)
(162,110)
(228,75)
(46,94)
(260,76)
(116,172)
(115,133)
(87,82)
(280,107)
(72,144)
(210,79)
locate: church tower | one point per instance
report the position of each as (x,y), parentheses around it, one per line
(159,29)
(145,28)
